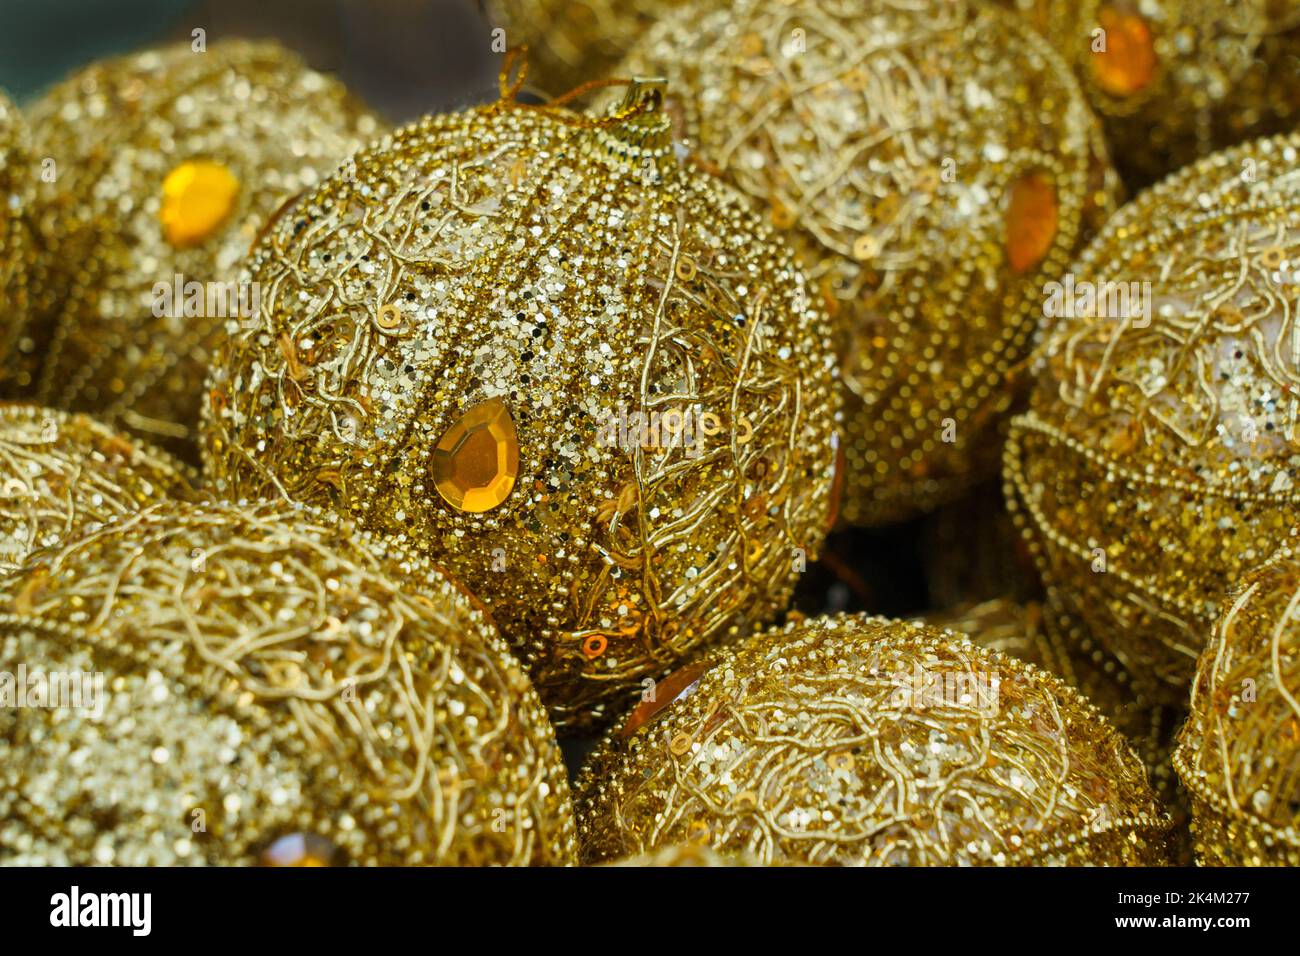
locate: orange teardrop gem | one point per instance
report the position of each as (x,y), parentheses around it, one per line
(476,461)
(1128,63)
(676,685)
(197,197)
(1031,221)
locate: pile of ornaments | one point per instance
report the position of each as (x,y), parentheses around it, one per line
(350,465)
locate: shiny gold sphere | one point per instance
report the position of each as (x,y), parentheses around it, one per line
(1156,464)
(62,476)
(165,166)
(587,381)
(571,42)
(863,741)
(933,163)
(265,685)
(1239,752)
(1176,79)
(18,177)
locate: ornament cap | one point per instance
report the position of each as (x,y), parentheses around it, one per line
(640,121)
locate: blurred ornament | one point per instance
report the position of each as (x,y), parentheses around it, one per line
(18,174)
(574,41)
(1156,463)
(62,476)
(1176,79)
(1239,753)
(266,685)
(165,166)
(524,341)
(858,740)
(932,162)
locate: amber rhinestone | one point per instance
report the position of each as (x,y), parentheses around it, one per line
(198,196)
(476,461)
(1128,64)
(1032,218)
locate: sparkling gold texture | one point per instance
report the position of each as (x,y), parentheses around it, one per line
(1173,80)
(168,163)
(62,476)
(1239,751)
(1032,633)
(559,276)
(856,740)
(278,687)
(1157,461)
(932,162)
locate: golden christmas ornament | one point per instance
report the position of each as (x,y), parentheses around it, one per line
(1239,752)
(18,175)
(1176,79)
(573,41)
(586,381)
(165,166)
(933,163)
(62,476)
(864,741)
(271,686)
(1156,463)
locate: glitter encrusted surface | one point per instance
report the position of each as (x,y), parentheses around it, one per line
(1176,79)
(857,740)
(1239,751)
(1156,463)
(64,475)
(114,132)
(1033,633)
(268,672)
(18,175)
(540,261)
(932,162)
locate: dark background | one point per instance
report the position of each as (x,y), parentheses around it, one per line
(404,57)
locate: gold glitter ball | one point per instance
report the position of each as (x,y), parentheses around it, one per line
(62,476)
(228,685)
(18,258)
(863,741)
(1176,79)
(1240,748)
(1157,461)
(932,162)
(607,407)
(166,165)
